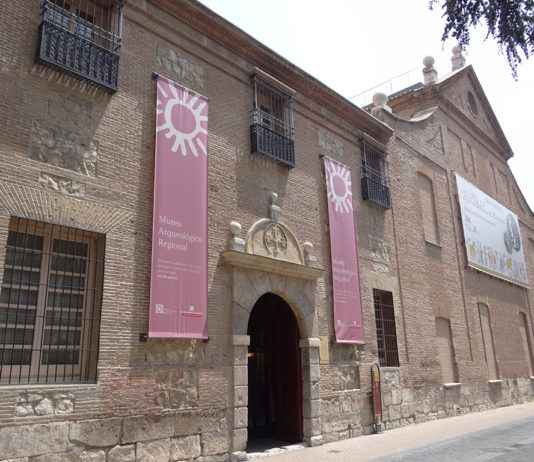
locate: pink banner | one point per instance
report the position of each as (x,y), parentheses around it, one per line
(345,277)
(179,278)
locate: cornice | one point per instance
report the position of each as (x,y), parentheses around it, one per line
(216,28)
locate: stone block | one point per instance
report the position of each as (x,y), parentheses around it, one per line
(96,433)
(214,421)
(187,424)
(154,451)
(216,458)
(240,396)
(73,455)
(312,408)
(215,443)
(187,447)
(122,453)
(311,427)
(33,440)
(238,456)
(143,428)
(240,417)
(407,395)
(240,356)
(311,391)
(239,439)
(240,376)
(396,396)
(93,456)
(316,441)
(394,413)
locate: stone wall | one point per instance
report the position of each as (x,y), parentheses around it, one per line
(404,405)
(166,438)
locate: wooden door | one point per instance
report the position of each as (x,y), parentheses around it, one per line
(287,377)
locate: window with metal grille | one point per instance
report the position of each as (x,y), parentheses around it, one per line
(375,183)
(82,37)
(271,123)
(386,332)
(50,302)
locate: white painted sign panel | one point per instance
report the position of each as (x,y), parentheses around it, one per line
(492,235)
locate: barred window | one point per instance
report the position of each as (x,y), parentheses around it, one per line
(374,177)
(271,123)
(50,303)
(386,331)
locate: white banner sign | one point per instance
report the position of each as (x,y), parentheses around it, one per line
(492,236)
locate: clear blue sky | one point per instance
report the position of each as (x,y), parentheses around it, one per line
(353,45)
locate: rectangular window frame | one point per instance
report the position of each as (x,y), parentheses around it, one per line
(272,128)
(39,371)
(374,176)
(386,335)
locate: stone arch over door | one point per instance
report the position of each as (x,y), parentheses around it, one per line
(247,288)
(271,260)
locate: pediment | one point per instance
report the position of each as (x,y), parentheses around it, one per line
(272,238)
(464,92)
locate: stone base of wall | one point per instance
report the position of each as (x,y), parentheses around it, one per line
(404,406)
(198,436)
(204,436)
(349,414)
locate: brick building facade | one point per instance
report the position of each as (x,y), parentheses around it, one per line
(79,380)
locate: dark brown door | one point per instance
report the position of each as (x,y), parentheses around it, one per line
(275,379)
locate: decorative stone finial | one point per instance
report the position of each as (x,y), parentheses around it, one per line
(458,59)
(307,247)
(236,242)
(380,101)
(430,75)
(274,210)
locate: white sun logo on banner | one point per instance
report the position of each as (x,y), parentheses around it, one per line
(182,116)
(339,187)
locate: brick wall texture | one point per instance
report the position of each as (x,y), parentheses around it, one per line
(167,400)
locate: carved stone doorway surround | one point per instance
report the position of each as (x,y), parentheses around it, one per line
(271,260)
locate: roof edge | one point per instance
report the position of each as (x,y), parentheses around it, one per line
(204,20)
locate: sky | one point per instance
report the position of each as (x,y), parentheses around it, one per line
(353,45)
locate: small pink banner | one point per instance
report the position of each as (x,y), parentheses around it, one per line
(345,277)
(179,278)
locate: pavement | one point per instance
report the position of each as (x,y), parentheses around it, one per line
(505,434)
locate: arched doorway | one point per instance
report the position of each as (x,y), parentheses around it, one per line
(274,374)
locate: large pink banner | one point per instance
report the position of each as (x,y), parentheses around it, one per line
(345,277)
(179,279)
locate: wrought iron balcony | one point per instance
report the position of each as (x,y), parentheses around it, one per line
(272,137)
(71,41)
(375,187)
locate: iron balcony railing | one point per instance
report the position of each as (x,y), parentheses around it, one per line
(375,187)
(79,47)
(272,137)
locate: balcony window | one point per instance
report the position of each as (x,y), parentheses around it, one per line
(271,123)
(82,38)
(50,299)
(375,184)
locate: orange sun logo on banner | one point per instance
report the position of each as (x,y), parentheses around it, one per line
(183,116)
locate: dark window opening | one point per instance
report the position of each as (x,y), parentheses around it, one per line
(83,38)
(386,332)
(375,183)
(50,301)
(271,123)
